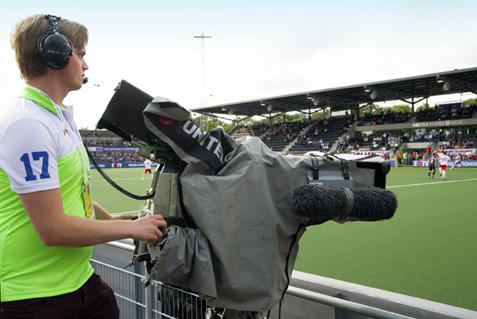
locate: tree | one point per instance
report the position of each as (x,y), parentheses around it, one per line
(401,108)
(470,102)
(320,115)
(208,123)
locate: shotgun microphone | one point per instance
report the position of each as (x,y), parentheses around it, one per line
(322,203)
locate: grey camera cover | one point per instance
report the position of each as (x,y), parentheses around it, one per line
(247,228)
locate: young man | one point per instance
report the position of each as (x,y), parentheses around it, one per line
(47,228)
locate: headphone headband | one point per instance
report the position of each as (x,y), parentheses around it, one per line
(53,20)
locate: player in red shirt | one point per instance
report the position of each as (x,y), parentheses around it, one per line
(428,155)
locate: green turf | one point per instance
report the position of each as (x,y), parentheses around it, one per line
(428,250)
(129,179)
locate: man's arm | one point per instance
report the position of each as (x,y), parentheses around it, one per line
(102,214)
(55,228)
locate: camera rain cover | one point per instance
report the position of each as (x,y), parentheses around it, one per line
(172,124)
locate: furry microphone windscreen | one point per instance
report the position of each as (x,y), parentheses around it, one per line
(322,203)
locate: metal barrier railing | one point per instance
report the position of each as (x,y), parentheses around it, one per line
(157,300)
(176,303)
(345,304)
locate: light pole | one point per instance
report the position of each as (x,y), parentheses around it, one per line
(203,87)
(97,88)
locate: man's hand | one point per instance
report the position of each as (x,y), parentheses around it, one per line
(150,228)
(56,228)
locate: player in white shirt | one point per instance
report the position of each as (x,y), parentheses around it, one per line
(457,161)
(443,163)
(147,168)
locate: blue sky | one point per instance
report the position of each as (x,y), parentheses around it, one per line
(258,48)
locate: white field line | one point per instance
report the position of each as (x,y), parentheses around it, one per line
(433,183)
(392,186)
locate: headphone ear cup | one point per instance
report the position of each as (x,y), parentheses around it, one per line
(55,50)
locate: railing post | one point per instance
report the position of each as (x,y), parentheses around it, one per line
(148,295)
(138,284)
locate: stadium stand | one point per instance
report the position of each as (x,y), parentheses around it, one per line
(445,111)
(282,134)
(385,118)
(241,130)
(321,135)
(451,125)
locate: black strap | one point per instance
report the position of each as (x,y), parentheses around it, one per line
(188,221)
(315,168)
(345,169)
(294,241)
(114,184)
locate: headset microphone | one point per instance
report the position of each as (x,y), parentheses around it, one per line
(85,80)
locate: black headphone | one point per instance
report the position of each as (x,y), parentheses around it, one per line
(54,49)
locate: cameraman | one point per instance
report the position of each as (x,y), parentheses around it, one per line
(47,228)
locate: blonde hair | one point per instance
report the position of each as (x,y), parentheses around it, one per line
(27,33)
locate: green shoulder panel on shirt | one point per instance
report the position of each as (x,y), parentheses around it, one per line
(39,98)
(28,268)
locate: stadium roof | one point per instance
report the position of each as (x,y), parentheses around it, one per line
(409,89)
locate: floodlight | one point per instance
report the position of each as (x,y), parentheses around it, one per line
(373,95)
(313,99)
(446,86)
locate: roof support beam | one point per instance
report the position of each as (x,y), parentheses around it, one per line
(225,118)
(375,92)
(277,106)
(320,99)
